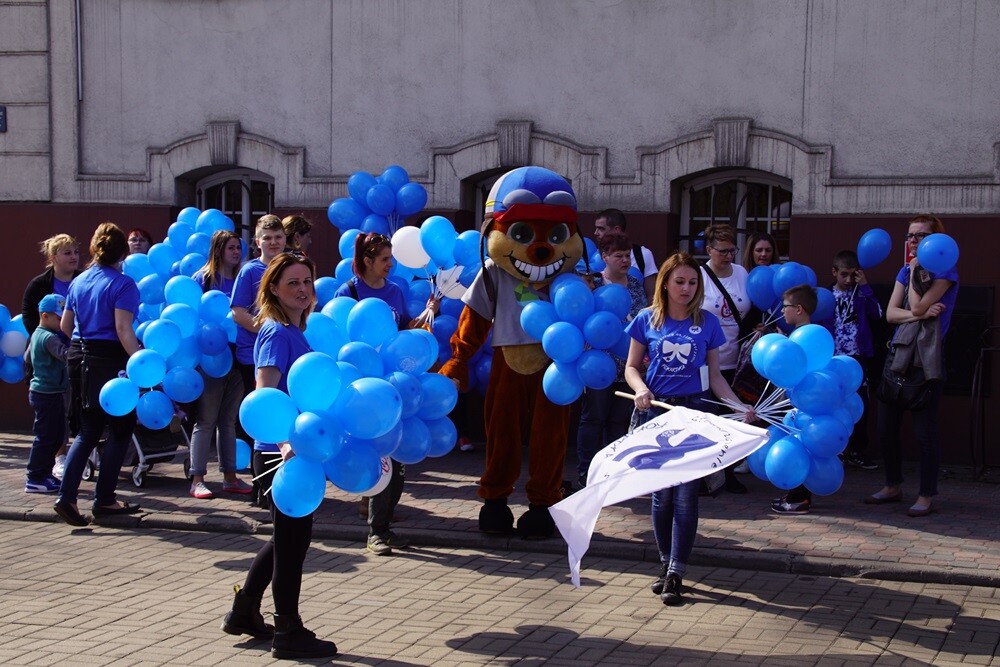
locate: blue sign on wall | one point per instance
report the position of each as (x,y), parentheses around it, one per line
(3,119)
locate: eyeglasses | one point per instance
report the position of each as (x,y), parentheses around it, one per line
(919,236)
(727,251)
(788,305)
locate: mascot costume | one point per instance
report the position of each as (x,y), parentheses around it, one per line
(531,237)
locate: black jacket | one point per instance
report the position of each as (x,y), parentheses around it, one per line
(33,294)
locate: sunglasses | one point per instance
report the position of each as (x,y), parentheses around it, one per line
(918,236)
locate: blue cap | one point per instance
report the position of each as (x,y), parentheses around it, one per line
(52,303)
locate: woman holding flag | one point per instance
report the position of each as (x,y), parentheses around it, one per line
(682,342)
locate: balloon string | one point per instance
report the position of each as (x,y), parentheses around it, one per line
(268,472)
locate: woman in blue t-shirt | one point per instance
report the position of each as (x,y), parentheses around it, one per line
(917,296)
(284,301)
(219,403)
(372,264)
(682,343)
(100,307)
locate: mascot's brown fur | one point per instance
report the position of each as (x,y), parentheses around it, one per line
(531,237)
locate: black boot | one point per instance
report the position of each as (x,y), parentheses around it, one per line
(294,642)
(536,523)
(496,518)
(671,595)
(657,585)
(245,618)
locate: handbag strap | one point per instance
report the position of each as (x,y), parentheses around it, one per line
(725,294)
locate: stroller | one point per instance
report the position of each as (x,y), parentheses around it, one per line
(149,447)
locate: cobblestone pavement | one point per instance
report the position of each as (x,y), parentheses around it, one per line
(108,596)
(959,543)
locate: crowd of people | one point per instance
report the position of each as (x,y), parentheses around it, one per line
(690,323)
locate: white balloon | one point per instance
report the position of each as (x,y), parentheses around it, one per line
(383,481)
(13,343)
(408,250)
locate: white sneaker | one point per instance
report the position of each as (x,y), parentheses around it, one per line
(59,469)
(743,468)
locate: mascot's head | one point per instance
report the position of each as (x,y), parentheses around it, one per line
(530,225)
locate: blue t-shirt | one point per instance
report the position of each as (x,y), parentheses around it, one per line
(948,298)
(677,351)
(278,345)
(245,296)
(94,296)
(224,285)
(390,293)
(60,287)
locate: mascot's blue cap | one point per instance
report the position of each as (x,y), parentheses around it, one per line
(532,193)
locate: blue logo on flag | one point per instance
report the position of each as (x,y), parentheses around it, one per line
(651,457)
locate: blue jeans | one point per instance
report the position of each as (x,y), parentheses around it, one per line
(92,423)
(890,418)
(603,419)
(49,429)
(218,410)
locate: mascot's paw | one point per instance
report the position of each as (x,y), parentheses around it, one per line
(536,523)
(496,518)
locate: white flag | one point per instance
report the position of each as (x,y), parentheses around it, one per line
(679,446)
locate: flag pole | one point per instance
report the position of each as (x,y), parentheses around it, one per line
(659,404)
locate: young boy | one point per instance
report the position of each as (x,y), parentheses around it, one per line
(47,395)
(269,236)
(797,306)
(856,311)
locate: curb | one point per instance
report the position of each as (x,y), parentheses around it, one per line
(774,562)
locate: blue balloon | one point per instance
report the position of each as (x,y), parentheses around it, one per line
(873,247)
(11,370)
(635,273)
(826,475)
(218,365)
(621,347)
(938,253)
(154,410)
(855,407)
(411,391)
(759,456)
(385,444)
(613,299)
(183,385)
(443,328)
(346,243)
(315,438)
(213,306)
(364,357)
(469,274)
(371,321)
(406,351)
(212,339)
(760,287)
(4,317)
(368,408)
(298,487)
(355,468)
(139,327)
(444,435)
(326,288)
(375,224)
(536,317)
(137,267)
(825,304)
(162,258)
(787,276)
(589,245)
(415,443)
(380,199)
(562,342)
(345,213)
(810,276)
(189,215)
(467,248)
(817,342)
(348,373)
(574,302)
(119,396)
(243,452)
(151,289)
(597,262)
(339,309)
(314,381)
(268,414)
(212,220)
(182,289)
(438,237)
(179,233)
(824,436)
(848,372)
(164,336)
(394,177)
(440,396)
(358,186)
(185,317)
(759,350)
(200,244)
(784,363)
(452,307)
(596,369)
(787,463)
(410,199)
(230,326)
(561,383)
(190,263)
(818,393)
(602,330)
(420,290)
(324,335)
(481,371)
(146,368)
(17,324)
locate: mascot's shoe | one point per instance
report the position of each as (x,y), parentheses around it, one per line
(536,523)
(496,518)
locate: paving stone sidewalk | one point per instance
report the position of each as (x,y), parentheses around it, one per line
(959,543)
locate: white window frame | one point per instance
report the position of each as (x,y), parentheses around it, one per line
(245,218)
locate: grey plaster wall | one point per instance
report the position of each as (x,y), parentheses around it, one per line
(867,106)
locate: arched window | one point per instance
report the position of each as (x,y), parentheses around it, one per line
(750,201)
(242,194)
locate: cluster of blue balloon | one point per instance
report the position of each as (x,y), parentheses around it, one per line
(579,329)
(377,204)
(363,394)
(766,284)
(823,390)
(180,327)
(13,342)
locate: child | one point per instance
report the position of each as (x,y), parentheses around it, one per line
(47,395)
(797,306)
(856,311)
